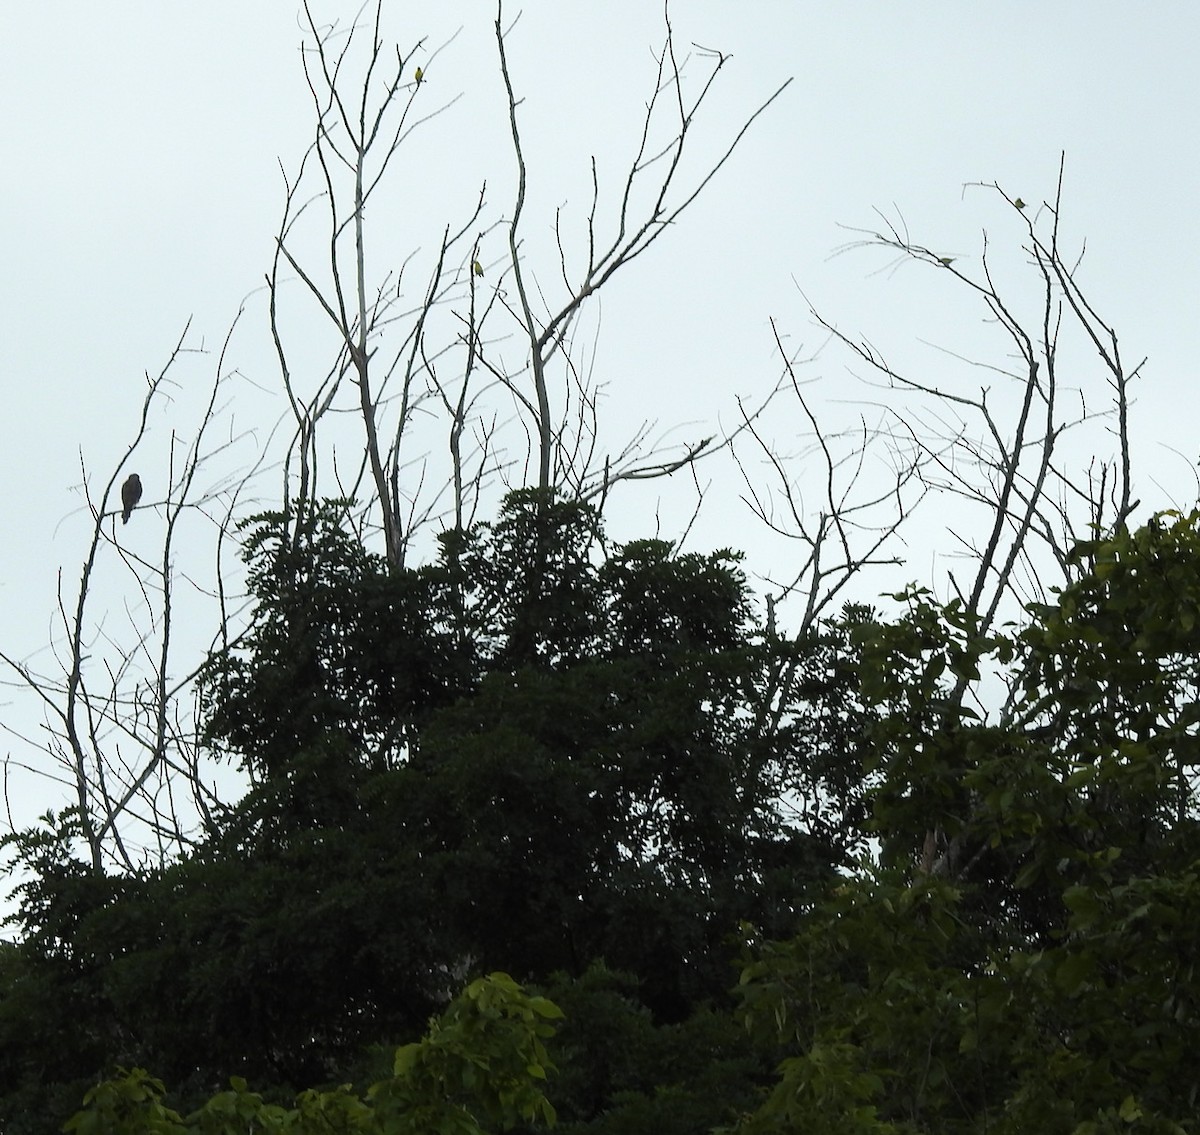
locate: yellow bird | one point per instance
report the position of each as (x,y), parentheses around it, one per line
(419,74)
(476,267)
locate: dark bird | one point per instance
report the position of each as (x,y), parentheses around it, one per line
(131,493)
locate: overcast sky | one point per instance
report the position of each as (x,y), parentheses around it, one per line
(140,188)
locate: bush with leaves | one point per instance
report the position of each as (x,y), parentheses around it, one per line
(482,1066)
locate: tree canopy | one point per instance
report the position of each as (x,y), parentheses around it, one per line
(1020,956)
(472,766)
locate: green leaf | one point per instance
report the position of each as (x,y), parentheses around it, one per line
(1130,1110)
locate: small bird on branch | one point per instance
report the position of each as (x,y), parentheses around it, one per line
(131,493)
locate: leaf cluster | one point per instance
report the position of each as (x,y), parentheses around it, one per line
(482,1065)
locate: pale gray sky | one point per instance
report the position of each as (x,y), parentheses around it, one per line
(140,187)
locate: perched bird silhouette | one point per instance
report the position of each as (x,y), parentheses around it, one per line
(131,493)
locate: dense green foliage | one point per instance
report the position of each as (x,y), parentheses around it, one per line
(1023,957)
(589,766)
(536,754)
(482,1066)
